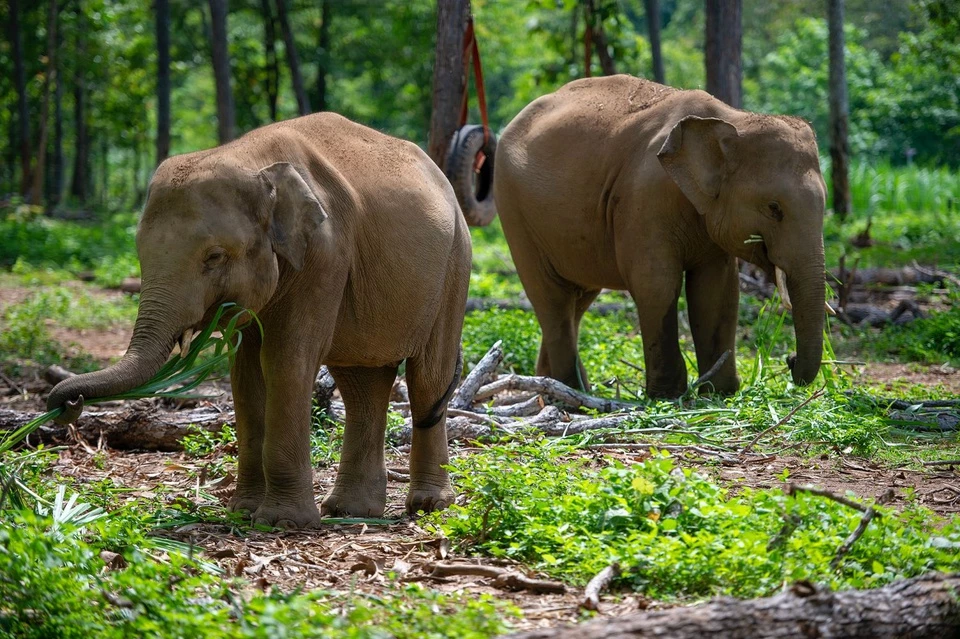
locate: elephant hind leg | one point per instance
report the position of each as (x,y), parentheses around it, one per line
(360,489)
(432,376)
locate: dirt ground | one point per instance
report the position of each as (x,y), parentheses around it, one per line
(365,557)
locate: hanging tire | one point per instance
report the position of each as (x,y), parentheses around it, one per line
(474,189)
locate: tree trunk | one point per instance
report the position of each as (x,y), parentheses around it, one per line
(923,607)
(80,183)
(163,79)
(653,26)
(323,54)
(36,190)
(221,71)
(290,44)
(133,426)
(723,46)
(55,188)
(23,111)
(593,23)
(272,71)
(449,80)
(839,112)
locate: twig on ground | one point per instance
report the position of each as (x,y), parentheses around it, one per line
(599,583)
(792,489)
(487,366)
(706,377)
(502,578)
(905,404)
(942,462)
(393,475)
(556,391)
(12,384)
(782,421)
(525,408)
(861,528)
(477,417)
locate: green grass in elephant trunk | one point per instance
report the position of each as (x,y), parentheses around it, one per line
(178,378)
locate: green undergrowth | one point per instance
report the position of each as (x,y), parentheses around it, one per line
(676,534)
(58,581)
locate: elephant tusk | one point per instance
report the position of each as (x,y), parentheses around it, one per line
(782,288)
(829,309)
(185,340)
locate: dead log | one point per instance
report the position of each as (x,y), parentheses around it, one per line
(137,426)
(923,607)
(482,372)
(553,391)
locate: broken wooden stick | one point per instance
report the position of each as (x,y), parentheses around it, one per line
(599,583)
(485,368)
(706,377)
(552,390)
(782,421)
(502,578)
(861,528)
(925,606)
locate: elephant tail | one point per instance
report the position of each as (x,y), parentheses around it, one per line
(433,417)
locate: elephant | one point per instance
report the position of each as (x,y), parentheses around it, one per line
(352,250)
(621,183)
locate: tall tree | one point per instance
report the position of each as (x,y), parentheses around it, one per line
(226,122)
(303,104)
(162,8)
(272,72)
(839,112)
(23,110)
(593,24)
(38,173)
(653,27)
(55,186)
(724,43)
(80,182)
(449,80)
(323,54)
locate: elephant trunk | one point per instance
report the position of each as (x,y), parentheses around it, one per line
(806,289)
(156,330)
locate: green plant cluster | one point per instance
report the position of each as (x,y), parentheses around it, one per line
(676,534)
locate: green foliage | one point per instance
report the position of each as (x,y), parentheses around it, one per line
(677,534)
(934,340)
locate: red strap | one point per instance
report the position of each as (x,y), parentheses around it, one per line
(471,54)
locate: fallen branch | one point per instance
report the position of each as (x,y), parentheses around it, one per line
(922,607)
(942,462)
(860,529)
(502,578)
(782,421)
(556,392)
(793,489)
(139,426)
(485,368)
(599,583)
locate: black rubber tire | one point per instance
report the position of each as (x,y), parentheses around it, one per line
(474,190)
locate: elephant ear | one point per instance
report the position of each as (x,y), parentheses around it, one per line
(296,211)
(697,155)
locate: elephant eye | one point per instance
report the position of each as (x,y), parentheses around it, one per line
(775,211)
(215,258)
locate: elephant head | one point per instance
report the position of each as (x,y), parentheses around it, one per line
(758,186)
(210,233)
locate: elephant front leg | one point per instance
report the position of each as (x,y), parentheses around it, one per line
(656,299)
(713,295)
(288,500)
(361,486)
(249,396)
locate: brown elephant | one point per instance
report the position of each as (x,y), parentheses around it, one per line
(351,247)
(622,183)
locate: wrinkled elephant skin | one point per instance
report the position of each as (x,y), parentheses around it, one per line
(621,183)
(351,248)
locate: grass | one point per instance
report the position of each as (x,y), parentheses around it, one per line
(676,534)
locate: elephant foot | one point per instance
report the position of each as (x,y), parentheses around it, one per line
(246,501)
(289,516)
(356,497)
(429,497)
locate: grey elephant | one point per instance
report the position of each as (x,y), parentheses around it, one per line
(622,183)
(351,247)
